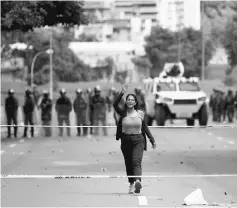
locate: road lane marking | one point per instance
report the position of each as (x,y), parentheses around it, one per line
(114,177)
(209,133)
(2,151)
(142,201)
(230,142)
(12,145)
(219,138)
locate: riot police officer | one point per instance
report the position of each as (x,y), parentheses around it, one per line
(28,109)
(230,105)
(89,95)
(218,105)
(110,98)
(11,109)
(63,108)
(80,106)
(46,113)
(212,104)
(99,110)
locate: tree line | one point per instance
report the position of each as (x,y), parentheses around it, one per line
(26,21)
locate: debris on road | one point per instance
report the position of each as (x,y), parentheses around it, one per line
(103,169)
(195,198)
(181,162)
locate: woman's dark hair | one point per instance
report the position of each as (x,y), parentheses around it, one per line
(135,98)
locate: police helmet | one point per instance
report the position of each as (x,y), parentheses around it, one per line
(62,91)
(45,92)
(78,90)
(28,91)
(97,88)
(11,91)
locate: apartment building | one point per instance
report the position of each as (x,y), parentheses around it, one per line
(177,14)
(147,9)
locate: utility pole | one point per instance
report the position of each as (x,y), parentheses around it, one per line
(179,43)
(51,64)
(203,40)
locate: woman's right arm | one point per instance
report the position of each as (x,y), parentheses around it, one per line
(117,108)
(117,99)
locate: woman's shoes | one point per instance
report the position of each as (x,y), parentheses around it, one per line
(131,189)
(138,187)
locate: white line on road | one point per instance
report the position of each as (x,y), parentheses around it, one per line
(231,142)
(219,138)
(2,151)
(114,177)
(209,133)
(12,145)
(142,201)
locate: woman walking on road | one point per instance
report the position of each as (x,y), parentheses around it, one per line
(132,129)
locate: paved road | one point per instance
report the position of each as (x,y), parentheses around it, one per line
(180,153)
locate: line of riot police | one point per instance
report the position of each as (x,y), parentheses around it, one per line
(90,108)
(223,105)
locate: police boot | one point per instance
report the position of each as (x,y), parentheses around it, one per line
(8,132)
(85,131)
(32,132)
(61,131)
(25,132)
(15,131)
(78,131)
(68,132)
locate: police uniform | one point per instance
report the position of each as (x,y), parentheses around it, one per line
(212,103)
(63,108)
(230,106)
(80,106)
(46,113)
(99,110)
(90,109)
(218,106)
(28,109)
(236,104)
(11,109)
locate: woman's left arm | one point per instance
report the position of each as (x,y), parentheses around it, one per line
(147,130)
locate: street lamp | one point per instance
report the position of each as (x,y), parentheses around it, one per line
(49,51)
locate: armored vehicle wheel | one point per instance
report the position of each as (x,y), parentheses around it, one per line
(160,115)
(203,116)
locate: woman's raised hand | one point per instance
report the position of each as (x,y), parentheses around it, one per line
(125,88)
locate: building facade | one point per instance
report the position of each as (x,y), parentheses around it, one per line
(177,14)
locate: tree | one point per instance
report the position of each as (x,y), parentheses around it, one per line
(66,65)
(27,15)
(163,45)
(230,41)
(104,68)
(143,66)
